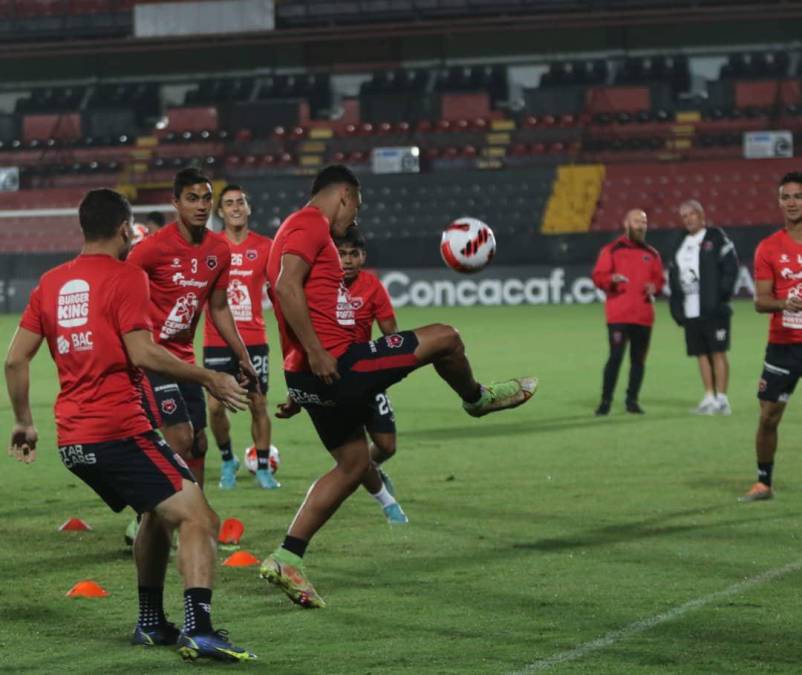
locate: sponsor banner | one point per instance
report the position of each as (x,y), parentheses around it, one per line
(497,285)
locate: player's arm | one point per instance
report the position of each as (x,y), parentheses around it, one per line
(23,348)
(289,291)
(766,303)
(220,314)
(387,326)
(604,275)
(144,353)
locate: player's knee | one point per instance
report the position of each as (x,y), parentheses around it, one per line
(449,339)
(199,444)
(258,405)
(217,413)
(181,439)
(386,448)
(769,420)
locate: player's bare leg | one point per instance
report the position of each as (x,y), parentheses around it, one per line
(197,461)
(442,346)
(284,567)
(765,446)
(221,430)
(261,431)
(378,483)
(721,377)
(181,438)
(707,405)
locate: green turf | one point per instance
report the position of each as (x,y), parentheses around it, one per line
(532,532)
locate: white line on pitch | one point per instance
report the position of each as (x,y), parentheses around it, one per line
(645,624)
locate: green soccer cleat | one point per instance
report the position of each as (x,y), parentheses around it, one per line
(502,395)
(228,474)
(266,480)
(387,481)
(286,570)
(395,514)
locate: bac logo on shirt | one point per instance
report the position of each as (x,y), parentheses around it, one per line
(211,261)
(394,341)
(169,406)
(250,254)
(73,304)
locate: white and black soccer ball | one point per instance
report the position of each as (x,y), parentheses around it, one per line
(252,462)
(467,245)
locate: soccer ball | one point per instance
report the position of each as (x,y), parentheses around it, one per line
(467,245)
(252,463)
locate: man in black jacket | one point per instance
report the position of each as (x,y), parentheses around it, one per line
(702,274)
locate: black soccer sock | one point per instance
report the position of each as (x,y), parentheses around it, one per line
(764,470)
(295,545)
(197,610)
(151,607)
(263,459)
(225,451)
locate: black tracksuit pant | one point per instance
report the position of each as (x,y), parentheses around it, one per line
(619,334)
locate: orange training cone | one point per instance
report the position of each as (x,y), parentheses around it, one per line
(241,559)
(74,525)
(231,531)
(87,589)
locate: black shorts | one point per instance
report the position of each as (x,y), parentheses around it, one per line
(341,410)
(707,336)
(140,471)
(782,368)
(222,360)
(382,415)
(168,403)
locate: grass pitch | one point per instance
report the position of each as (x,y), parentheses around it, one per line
(533,532)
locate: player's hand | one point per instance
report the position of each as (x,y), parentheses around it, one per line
(228,391)
(619,278)
(250,374)
(23,443)
(793,304)
(324,365)
(286,410)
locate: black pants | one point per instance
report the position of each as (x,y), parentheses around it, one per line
(618,335)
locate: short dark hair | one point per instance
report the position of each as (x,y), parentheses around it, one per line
(230,187)
(102,212)
(353,237)
(333,174)
(791,177)
(155,217)
(187,177)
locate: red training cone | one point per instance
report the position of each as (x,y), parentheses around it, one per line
(87,589)
(231,531)
(241,559)
(74,525)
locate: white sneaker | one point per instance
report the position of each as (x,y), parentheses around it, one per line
(723,406)
(708,406)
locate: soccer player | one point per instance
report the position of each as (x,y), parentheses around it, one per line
(187,265)
(778,291)
(630,272)
(91,311)
(154,221)
(336,379)
(372,303)
(701,274)
(247,279)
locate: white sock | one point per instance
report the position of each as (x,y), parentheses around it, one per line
(384,497)
(722,398)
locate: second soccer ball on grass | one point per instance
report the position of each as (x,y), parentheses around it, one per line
(251,459)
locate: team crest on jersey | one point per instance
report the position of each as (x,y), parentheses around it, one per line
(357,303)
(176,262)
(211,261)
(169,406)
(251,254)
(394,341)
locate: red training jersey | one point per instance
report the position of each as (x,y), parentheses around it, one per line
(246,281)
(778,258)
(305,233)
(627,302)
(182,277)
(83,308)
(371,302)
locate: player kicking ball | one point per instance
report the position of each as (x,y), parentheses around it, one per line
(335,378)
(247,279)
(372,303)
(93,313)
